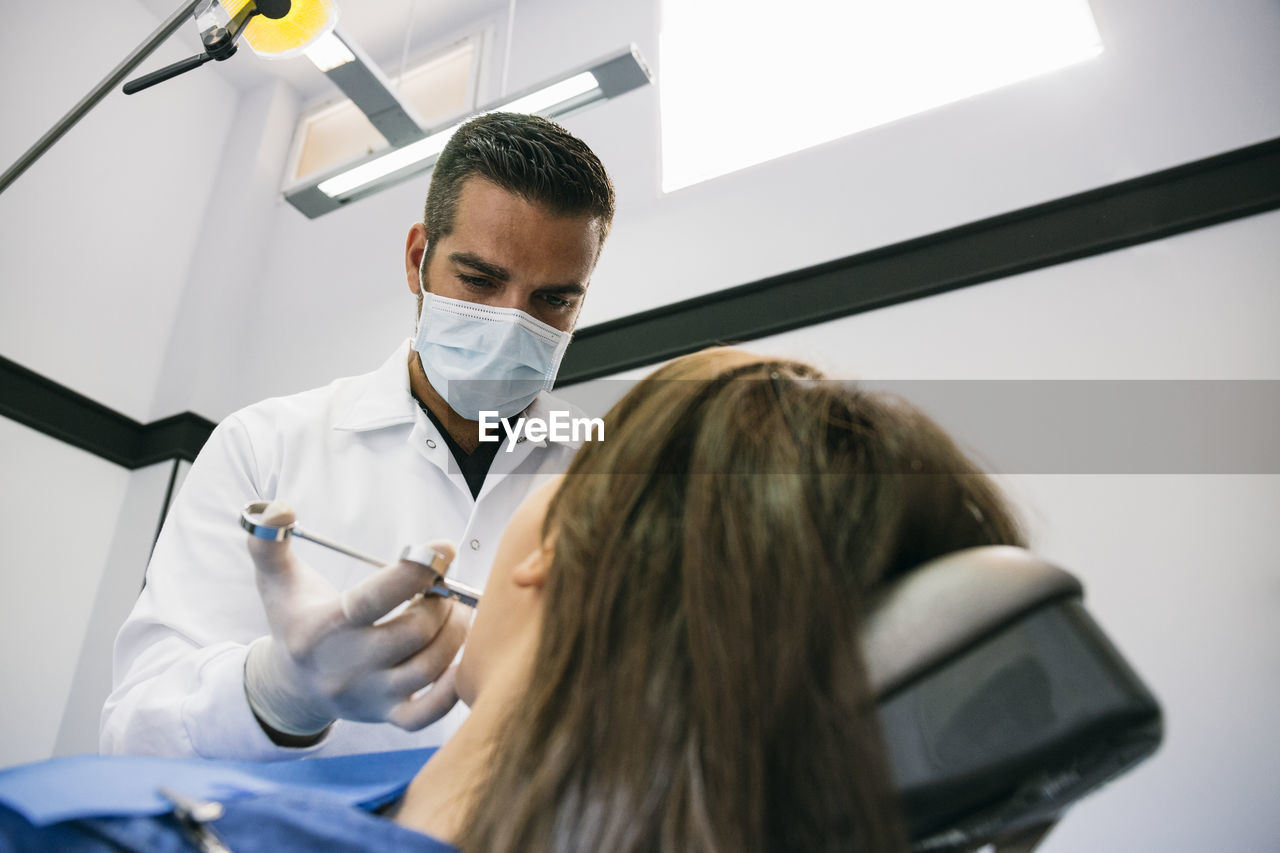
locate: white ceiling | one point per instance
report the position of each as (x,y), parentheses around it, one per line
(379,26)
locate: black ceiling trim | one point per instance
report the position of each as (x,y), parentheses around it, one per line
(57,411)
(1205,192)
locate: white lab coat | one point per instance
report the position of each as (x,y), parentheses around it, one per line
(359,462)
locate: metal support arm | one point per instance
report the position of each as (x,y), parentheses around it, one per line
(98,92)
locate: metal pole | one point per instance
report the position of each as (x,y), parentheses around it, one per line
(98,92)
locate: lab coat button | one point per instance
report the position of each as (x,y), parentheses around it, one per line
(431,443)
(475,544)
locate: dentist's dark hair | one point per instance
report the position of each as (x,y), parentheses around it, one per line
(530,156)
(699,683)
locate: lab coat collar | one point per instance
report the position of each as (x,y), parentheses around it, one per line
(386,399)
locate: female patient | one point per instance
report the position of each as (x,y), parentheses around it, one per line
(667,655)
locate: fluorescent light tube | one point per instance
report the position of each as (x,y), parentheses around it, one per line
(393,161)
(557,93)
(329,52)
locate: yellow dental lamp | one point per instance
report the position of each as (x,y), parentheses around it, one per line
(289,36)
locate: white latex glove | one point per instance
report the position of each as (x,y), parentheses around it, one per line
(325,659)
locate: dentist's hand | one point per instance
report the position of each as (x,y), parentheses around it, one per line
(325,658)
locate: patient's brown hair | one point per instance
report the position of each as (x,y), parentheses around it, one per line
(699,684)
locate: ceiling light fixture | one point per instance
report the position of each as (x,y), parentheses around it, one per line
(561,96)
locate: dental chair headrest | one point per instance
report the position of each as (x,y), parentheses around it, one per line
(1001,701)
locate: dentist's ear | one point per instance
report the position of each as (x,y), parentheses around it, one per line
(415,257)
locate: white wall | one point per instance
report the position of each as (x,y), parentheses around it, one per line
(58,513)
(1181,572)
(99,233)
(1200,305)
(218,296)
(118,584)
(95,248)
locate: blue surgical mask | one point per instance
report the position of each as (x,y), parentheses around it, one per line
(486,359)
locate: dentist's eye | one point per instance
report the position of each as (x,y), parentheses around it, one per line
(475,283)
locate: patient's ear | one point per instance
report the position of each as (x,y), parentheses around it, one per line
(532,570)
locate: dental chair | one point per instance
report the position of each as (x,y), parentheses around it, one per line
(1001,701)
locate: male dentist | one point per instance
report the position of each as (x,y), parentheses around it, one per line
(219,662)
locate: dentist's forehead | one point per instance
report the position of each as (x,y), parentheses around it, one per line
(523,236)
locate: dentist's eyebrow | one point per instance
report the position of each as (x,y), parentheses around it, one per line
(493,271)
(563,289)
(480,265)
